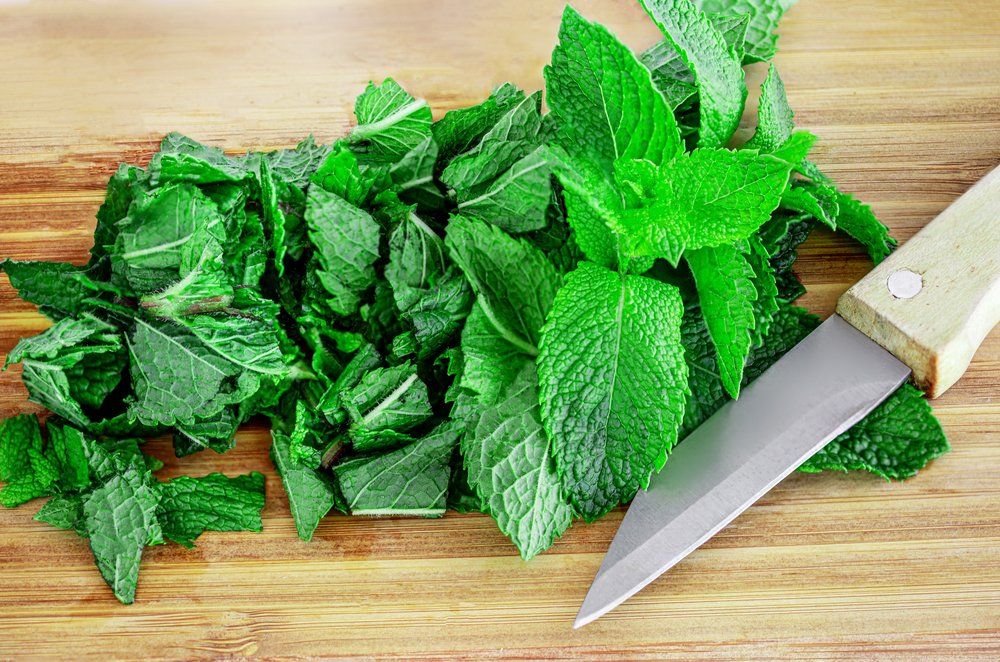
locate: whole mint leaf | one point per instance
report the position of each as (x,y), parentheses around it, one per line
(612,384)
(603,99)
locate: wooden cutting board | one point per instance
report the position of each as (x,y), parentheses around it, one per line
(906,98)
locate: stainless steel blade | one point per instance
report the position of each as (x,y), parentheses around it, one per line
(816,391)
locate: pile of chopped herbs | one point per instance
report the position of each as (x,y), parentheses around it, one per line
(501,311)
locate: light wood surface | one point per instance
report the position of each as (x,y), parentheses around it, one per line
(933,301)
(906,99)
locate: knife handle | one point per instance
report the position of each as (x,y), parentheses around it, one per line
(933,301)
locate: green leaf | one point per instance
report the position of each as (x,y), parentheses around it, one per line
(165,235)
(859,221)
(461,129)
(491,361)
(726,293)
(215,433)
(513,280)
(346,241)
(612,384)
(702,199)
(190,506)
(295,166)
(386,399)
(37,482)
(390,122)
(766,304)
(340,174)
(894,441)
(761,42)
(775,119)
(51,286)
(18,434)
(437,316)
(64,512)
(175,377)
(69,449)
(817,200)
(603,99)
(182,159)
(126,184)
(311,494)
(121,521)
(592,205)
(411,481)
(508,459)
(413,176)
(416,260)
(515,135)
(517,200)
(50,358)
(714,63)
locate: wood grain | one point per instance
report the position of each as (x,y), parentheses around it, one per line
(906,99)
(954,263)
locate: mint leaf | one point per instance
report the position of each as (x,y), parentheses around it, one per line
(390,122)
(775,120)
(51,286)
(413,176)
(603,99)
(64,512)
(311,494)
(514,282)
(416,259)
(437,316)
(592,205)
(702,199)
(50,359)
(508,459)
(726,292)
(714,63)
(18,435)
(164,236)
(121,521)
(517,200)
(765,283)
(175,377)
(386,400)
(894,441)
(346,240)
(818,200)
(340,173)
(460,129)
(491,360)
(182,159)
(859,221)
(190,506)
(761,42)
(69,450)
(612,384)
(515,135)
(412,480)
(295,166)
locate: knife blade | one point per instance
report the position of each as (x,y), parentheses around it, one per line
(922,312)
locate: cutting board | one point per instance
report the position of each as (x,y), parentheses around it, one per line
(906,98)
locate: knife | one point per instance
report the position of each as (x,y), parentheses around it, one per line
(921,313)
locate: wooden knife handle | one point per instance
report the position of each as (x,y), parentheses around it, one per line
(933,301)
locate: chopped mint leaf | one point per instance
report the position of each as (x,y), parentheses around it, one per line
(412,480)
(190,506)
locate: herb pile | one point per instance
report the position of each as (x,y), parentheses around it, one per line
(501,311)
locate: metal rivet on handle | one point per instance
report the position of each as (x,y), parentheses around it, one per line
(905,284)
